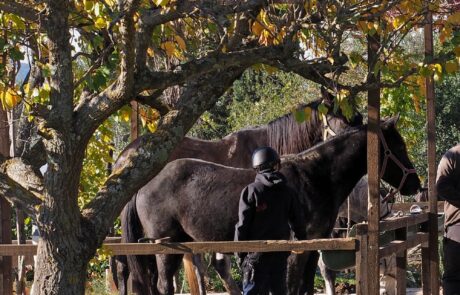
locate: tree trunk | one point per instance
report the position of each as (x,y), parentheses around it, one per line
(67,241)
(61,268)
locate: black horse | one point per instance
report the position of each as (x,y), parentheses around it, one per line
(284,134)
(194,200)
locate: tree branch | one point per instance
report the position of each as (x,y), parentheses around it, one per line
(216,61)
(155,101)
(91,113)
(24,174)
(21,10)
(20,185)
(60,59)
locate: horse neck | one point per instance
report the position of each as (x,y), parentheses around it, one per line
(233,150)
(340,163)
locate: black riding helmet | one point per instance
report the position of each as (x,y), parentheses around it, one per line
(264,158)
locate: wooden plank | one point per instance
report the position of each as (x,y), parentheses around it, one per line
(424,205)
(373,168)
(397,246)
(404,221)
(204,247)
(401,263)
(433,269)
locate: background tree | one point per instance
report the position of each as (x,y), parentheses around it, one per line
(89,59)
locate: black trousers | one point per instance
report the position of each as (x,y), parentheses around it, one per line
(451,276)
(264,273)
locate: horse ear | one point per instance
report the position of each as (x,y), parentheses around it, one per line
(392,121)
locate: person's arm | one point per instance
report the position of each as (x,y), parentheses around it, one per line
(446,184)
(245,215)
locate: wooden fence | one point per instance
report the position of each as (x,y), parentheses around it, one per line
(418,225)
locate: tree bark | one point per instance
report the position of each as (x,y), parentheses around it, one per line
(61,267)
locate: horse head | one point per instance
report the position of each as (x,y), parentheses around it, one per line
(396,169)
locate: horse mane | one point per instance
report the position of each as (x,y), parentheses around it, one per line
(287,136)
(286,158)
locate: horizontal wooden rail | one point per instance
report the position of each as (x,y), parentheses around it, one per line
(404,221)
(231,247)
(398,245)
(107,240)
(424,205)
(203,247)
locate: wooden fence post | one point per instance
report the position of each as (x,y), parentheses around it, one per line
(361,260)
(6,281)
(431,282)
(401,263)
(373,168)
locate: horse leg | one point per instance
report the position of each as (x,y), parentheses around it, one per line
(167,266)
(200,272)
(296,270)
(329,277)
(222,265)
(119,266)
(307,281)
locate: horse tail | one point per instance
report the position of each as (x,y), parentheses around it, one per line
(141,267)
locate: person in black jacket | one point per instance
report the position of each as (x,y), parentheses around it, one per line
(268,210)
(448,189)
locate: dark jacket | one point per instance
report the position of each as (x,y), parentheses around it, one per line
(268,209)
(448,185)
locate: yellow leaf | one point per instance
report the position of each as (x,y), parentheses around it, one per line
(451,67)
(180,42)
(343,93)
(150,52)
(169,47)
(106,138)
(438,68)
(454,18)
(88,4)
(126,116)
(161,3)
(362,25)
(152,126)
(100,23)
(18,22)
(10,98)
(263,17)
(257,28)
(457,51)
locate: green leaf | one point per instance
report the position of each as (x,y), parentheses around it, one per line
(99,80)
(18,22)
(299,115)
(2,43)
(16,54)
(322,108)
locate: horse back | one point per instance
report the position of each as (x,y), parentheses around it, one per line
(192,198)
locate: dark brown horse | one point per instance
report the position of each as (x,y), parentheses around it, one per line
(194,200)
(284,134)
